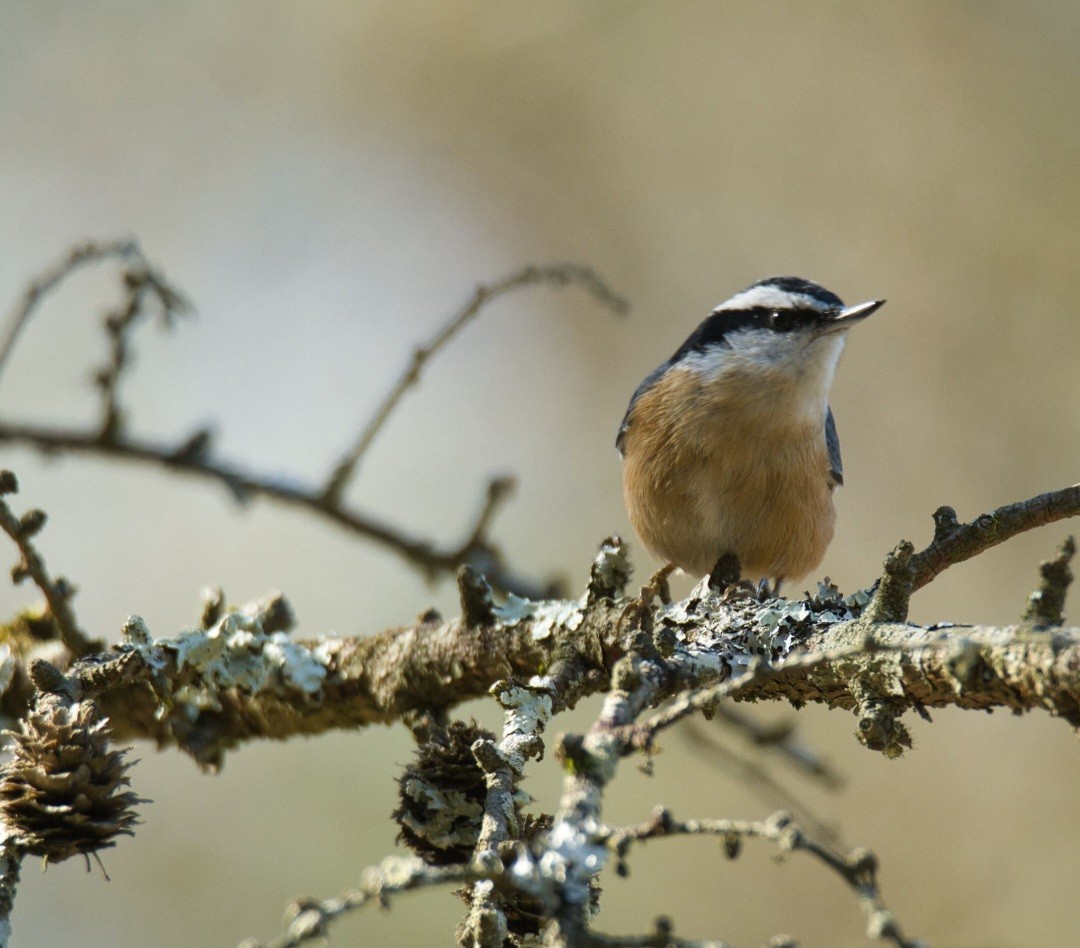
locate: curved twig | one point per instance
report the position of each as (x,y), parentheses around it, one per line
(89,252)
(565,274)
(858,869)
(955,542)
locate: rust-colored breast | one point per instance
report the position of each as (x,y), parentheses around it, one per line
(709,470)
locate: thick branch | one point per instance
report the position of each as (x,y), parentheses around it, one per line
(437,665)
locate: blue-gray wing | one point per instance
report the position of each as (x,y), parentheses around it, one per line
(832,443)
(651,379)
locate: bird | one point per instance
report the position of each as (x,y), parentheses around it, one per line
(730,446)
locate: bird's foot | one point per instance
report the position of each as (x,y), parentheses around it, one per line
(658,585)
(725,574)
(765,591)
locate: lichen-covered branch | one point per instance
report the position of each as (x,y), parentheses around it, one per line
(237,682)
(1047,603)
(503,764)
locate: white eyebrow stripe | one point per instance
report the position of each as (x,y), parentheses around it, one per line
(771,297)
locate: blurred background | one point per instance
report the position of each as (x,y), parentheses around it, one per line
(327,181)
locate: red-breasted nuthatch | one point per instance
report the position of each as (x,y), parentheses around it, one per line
(730,446)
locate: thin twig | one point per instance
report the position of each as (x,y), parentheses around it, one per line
(141,284)
(88,252)
(559,275)
(780,738)
(858,869)
(757,778)
(57,592)
(955,542)
(475,550)
(311,918)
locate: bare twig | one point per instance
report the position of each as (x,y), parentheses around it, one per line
(858,869)
(781,739)
(57,592)
(566,274)
(955,542)
(193,454)
(757,779)
(476,549)
(89,252)
(141,284)
(311,918)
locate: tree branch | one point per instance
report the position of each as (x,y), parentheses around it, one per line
(57,592)
(39,288)
(560,275)
(858,869)
(475,550)
(955,542)
(193,454)
(310,918)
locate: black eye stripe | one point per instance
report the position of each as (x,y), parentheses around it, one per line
(723,322)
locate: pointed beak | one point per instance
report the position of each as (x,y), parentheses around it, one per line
(848,317)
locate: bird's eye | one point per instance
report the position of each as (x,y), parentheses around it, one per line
(782,321)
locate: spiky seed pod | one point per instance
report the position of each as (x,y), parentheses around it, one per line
(63,792)
(442,795)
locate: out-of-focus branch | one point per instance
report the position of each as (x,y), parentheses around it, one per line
(858,869)
(89,252)
(310,918)
(57,592)
(559,275)
(193,454)
(781,739)
(10,866)
(141,284)
(756,778)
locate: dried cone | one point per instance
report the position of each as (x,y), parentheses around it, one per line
(442,795)
(63,791)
